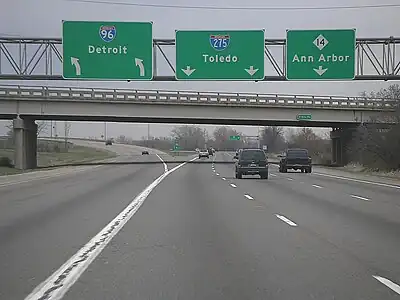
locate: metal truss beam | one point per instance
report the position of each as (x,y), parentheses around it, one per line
(41,59)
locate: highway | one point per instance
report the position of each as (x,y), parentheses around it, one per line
(193,231)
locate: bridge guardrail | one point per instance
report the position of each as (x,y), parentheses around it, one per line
(184,97)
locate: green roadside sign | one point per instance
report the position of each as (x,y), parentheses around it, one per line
(234,138)
(107,50)
(303,117)
(220,55)
(320,54)
(177,147)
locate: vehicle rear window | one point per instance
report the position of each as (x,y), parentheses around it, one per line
(297,153)
(252,155)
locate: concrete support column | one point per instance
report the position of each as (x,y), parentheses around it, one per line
(25,136)
(341,139)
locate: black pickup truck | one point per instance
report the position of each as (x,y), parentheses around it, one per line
(296,159)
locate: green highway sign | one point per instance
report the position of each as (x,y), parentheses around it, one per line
(220,55)
(320,54)
(303,117)
(107,50)
(177,147)
(234,138)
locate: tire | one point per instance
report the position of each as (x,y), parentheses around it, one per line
(280,170)
(264,175)
(303,170)
(284,170)
(309,169)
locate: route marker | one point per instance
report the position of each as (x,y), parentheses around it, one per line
(320,54)
(220,55)
(107,50)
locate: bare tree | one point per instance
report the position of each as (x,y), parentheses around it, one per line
(376,144)
(67,129)
(189,137)
(222,139)
(272,136)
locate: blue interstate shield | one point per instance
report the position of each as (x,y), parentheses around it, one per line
(219,41)
(107,33)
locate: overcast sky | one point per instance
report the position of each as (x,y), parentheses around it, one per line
(42,18)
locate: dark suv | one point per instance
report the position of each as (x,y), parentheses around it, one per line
(296,159)
(251,162)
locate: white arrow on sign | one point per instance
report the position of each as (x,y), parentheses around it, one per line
(75,62)
(139,63)
(320,71)
(188,71)
(251,71)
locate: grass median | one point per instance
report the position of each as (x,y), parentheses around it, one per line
(75,154)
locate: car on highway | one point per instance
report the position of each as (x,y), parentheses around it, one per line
(296,159)
(108,142)
(145,152)
(204,153)
(251,162)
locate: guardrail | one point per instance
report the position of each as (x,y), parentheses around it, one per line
(11,92)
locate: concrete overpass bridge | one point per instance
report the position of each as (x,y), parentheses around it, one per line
(25,104)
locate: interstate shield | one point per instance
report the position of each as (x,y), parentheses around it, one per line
(219,41)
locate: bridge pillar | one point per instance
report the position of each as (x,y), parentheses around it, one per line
(25,135)
(341,138)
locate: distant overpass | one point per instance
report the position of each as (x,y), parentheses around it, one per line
(150,106)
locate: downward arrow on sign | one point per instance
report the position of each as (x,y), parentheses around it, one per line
(188,71)
(320,71)
(251,70)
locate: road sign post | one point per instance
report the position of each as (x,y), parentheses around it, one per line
(107,50)
(220,55)
(320,54)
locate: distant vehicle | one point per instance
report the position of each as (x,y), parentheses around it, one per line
(145,152)
(296,159)
(108,142)
(204,153)
(210,151)
(251,162)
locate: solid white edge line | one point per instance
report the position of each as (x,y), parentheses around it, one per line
(390,284)
(57,284)
(273,175)
(233,185)
(249,197)
(165,165)
(359,180)
(361,198)
(317,186)
(286,220)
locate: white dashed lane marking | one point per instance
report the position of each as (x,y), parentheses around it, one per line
(217,174)
(249,197)
(317,186)
(286,220)
(273,175)
(223,178)
(233,185)
(361,198)
(290,179)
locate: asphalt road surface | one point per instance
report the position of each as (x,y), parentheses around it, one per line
(192,231)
